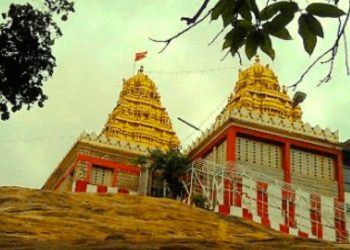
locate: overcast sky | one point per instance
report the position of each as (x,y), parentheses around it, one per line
(96,52)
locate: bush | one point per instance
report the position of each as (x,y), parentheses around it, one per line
(199,201)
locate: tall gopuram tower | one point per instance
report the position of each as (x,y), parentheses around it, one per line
(280,171)
(139,116)
(105,162)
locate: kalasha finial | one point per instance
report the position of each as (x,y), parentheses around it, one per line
(141,69)
(257,59)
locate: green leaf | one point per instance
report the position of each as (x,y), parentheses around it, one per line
(252,44)
(254,7)
(227,18)
(243,24)
(281,33)
(281,21)
(219,8)
(266,45)
(314,25)
(235,38)
(324,10)
(283,6)
(309,38)
(227,44)
(244,10)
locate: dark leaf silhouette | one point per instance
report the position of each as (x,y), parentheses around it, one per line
(26,60)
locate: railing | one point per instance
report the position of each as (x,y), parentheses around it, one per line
(208,179)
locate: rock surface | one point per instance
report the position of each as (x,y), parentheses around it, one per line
(36,219)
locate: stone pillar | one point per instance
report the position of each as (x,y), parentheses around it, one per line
(286,162)
(228,185)
(339,176)
(144,179)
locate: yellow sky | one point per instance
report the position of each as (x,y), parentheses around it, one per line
(96,53)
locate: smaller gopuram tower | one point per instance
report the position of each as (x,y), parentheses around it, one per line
(258,90)
(105,162)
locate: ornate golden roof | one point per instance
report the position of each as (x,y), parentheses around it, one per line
(257,89)
(139,116)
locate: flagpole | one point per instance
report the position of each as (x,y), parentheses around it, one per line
(138,56)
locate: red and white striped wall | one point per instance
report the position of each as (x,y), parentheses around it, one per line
(84,186)
(268,201)
(290,211)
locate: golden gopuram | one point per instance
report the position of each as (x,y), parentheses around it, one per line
(257,89)
(139,116)
(106,162)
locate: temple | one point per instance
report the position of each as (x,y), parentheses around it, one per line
(260,161)
(106,162)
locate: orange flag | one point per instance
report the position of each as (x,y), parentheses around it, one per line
(140,55)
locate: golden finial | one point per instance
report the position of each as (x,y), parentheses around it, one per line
(141,69)
(284,89)
(257,59)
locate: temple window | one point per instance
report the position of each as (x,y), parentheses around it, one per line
(258,153)
(312,164)
(82,170)
(101,176)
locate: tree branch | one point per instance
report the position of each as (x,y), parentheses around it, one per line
(238,54)
(333,50)
(169,40)
(216,36)
(333,55)
(192,20)
(346,55)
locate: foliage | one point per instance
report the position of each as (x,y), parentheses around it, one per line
(199,201)
(172,163)
(141,160)
(27,35)
(254,24)
(254,28)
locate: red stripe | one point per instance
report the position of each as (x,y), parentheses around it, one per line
(123,191)
(65,175)
(315,216)
(110,164)
(238,193)
(303,234)
(102,189)
(339,222)
(80,186)
(247,215)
